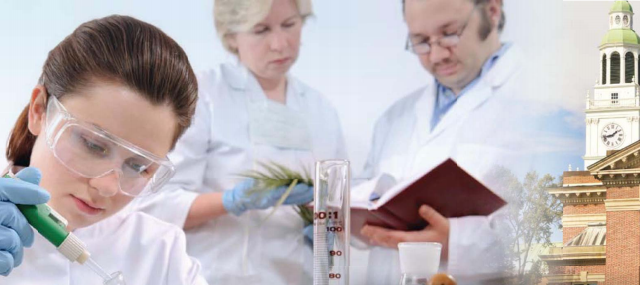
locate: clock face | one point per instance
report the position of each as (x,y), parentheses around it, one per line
(625,20)
(612,135)
(617,20)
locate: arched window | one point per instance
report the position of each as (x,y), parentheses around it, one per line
(615,68)
(629,63)
(604,69)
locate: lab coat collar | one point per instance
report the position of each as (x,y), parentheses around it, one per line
(236,75)
(507,65)
(106,226)
(240,78)
(424,112)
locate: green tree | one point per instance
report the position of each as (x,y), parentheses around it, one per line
(531,217)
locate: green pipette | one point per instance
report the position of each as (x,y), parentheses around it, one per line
(53,227)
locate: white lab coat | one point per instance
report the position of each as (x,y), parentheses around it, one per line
(145,249)
(481,130)
(209,157)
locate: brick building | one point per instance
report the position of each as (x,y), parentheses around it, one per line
(601,206)
(582,258)
(601,220)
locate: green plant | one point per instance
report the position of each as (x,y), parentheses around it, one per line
(276,175)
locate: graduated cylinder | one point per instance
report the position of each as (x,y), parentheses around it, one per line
(332,216)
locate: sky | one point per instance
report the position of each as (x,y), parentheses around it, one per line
(352,52)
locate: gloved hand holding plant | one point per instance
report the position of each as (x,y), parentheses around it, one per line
(277,185)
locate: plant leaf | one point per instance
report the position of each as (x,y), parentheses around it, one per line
(276,175)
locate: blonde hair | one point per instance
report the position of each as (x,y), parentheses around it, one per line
(234,16)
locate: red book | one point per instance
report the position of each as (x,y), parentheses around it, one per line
(447,188)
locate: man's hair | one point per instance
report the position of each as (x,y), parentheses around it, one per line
(479,2)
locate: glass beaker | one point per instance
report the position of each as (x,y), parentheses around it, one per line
(418,261)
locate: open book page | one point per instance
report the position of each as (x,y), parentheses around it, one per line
(366,193)
(386,187)
(395,189)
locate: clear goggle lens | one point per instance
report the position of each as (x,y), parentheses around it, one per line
(93,153)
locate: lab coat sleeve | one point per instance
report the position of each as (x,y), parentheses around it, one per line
(477,250)
(172,203)
(380,132)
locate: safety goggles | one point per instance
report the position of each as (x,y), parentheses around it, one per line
(91,152)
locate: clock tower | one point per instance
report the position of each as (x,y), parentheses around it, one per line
(613,112)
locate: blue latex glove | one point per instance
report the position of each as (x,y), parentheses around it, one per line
(239,199)
(15,231)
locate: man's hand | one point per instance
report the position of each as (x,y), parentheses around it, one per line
(436,231)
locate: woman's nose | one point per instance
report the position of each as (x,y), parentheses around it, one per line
(278,41)
(107,185)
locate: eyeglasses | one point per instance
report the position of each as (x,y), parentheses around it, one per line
(91,152)
(446,41)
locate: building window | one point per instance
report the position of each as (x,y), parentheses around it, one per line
(604,69)
(628,67)
(614,98)
(615,68)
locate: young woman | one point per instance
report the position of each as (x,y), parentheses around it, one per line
(248,113)
(113,99)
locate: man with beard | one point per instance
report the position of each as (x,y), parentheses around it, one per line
(463,113)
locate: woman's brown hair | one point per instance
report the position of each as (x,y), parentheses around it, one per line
(121,49)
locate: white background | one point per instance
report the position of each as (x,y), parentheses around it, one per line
(353,52)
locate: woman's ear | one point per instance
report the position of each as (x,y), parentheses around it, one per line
(37,109)
(232,42)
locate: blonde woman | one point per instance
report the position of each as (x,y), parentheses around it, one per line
(249,112)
